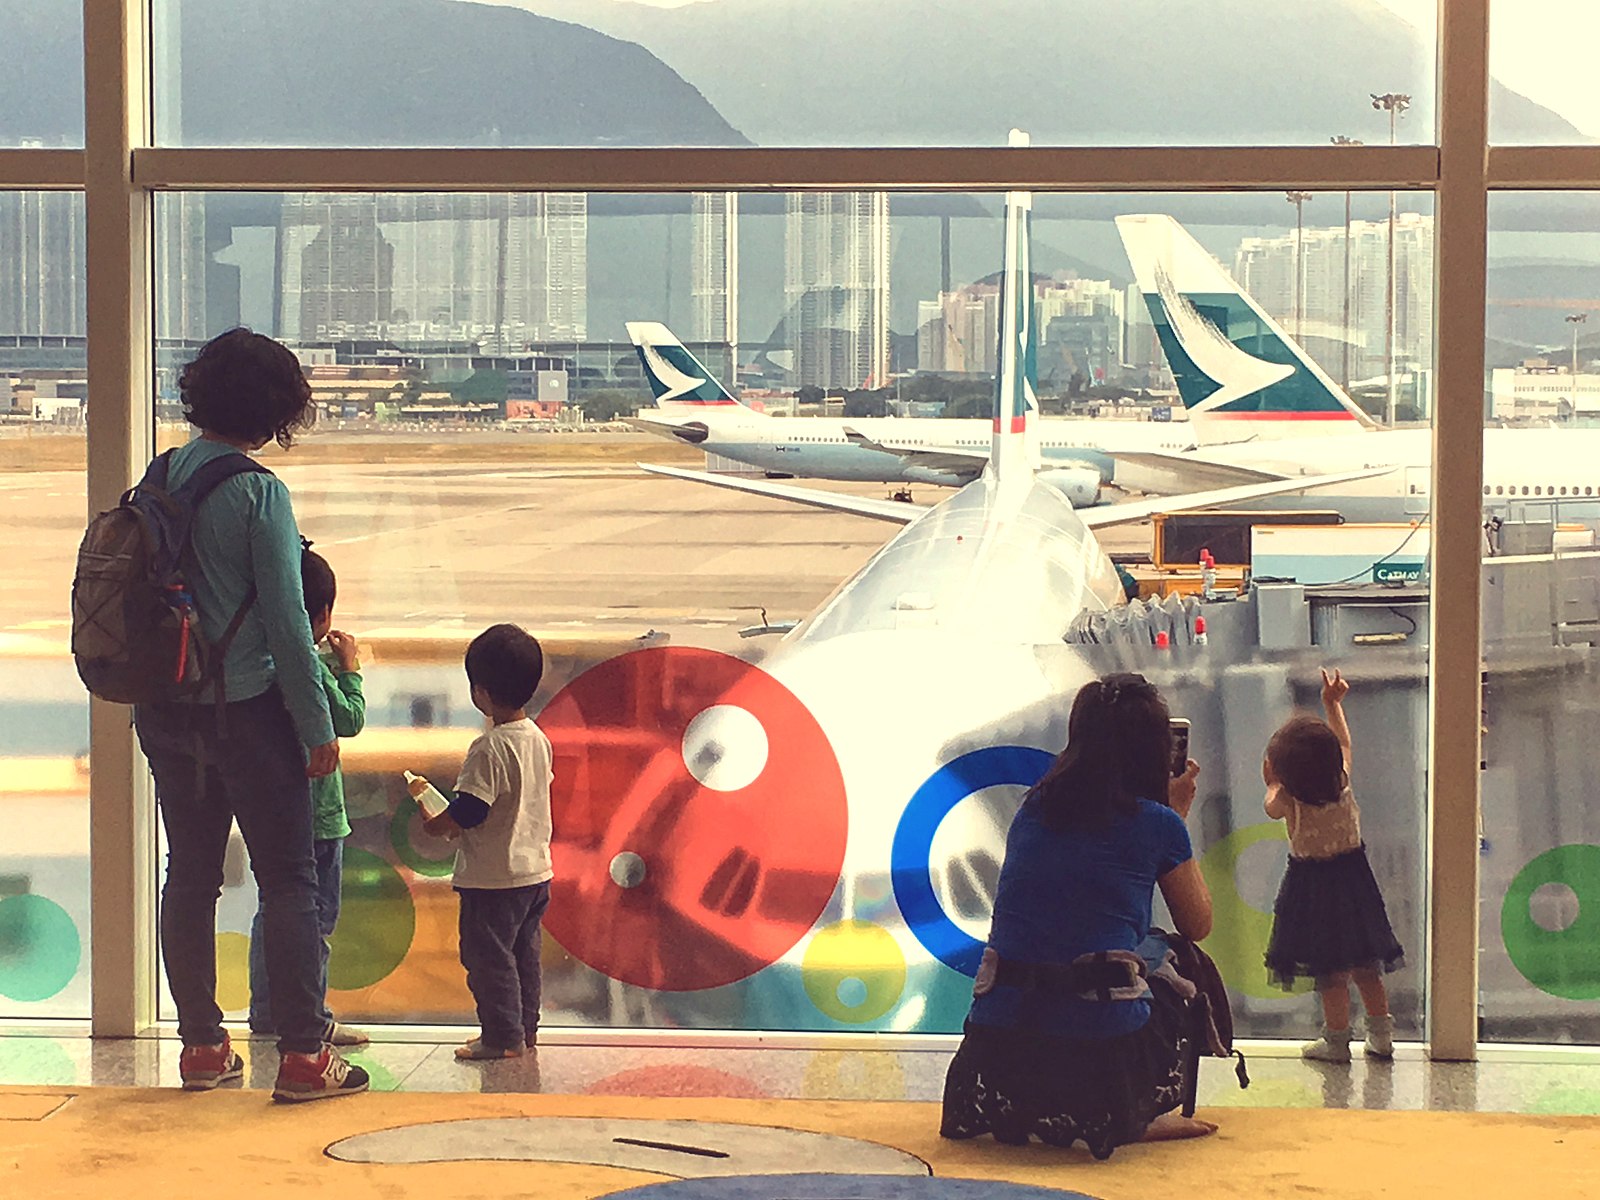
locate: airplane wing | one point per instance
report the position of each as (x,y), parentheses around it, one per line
(671,429)
(897,511)
(1139,510)
(1095,518)
(954,461)
(1189,473)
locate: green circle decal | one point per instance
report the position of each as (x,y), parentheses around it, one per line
(854,971)
(1560,962)
(39,948)
(1238,941)
(407,816)
(377,920)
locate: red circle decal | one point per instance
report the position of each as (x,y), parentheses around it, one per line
(662,880)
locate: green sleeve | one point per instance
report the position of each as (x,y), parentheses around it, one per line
(346,704)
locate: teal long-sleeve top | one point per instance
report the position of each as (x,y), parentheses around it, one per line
(348,707)
(245,532)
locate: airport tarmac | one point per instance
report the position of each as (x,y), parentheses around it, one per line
(551,543)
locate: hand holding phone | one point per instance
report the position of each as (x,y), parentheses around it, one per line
(1180,745)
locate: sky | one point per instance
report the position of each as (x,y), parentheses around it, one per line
(1541,48)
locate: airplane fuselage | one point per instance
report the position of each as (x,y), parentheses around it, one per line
(821,447)
(1531,473)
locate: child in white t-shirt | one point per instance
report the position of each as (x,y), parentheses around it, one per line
(501,815)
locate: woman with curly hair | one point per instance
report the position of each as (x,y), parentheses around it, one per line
(249,753)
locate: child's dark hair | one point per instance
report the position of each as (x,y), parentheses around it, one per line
(317,583)
(1119,750)
(248,387)
(1308,760)
(506,662)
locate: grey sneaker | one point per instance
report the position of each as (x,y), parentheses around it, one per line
(344,1035)
(1380,1037)
(1332,1047)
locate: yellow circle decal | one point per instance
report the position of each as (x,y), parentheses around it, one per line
(1238,941)
(233,972)
(854,971)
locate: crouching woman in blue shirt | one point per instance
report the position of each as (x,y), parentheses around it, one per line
(1066,1040)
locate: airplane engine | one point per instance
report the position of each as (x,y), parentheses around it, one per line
(1080,485)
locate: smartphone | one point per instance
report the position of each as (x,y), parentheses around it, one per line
(1180,745)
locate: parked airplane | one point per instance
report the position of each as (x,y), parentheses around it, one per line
(1246,383)
(789,841)
(692,406)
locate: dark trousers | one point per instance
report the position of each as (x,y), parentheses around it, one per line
(500,950)
(254,773)
(330,880)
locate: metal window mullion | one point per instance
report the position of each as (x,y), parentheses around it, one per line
(1091,169)
(1461,275)
(41,170)
(1544,167)
(121,807)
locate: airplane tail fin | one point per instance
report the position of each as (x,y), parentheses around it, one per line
(1238,372)
(1014,452)
(679,383)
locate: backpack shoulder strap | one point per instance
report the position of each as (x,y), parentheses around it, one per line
(211,474)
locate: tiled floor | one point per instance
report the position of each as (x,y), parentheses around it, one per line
(399,1061)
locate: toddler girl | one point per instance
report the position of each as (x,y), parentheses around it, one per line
(1329,923)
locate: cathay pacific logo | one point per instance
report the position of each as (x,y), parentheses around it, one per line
(1236,373)
(671,383)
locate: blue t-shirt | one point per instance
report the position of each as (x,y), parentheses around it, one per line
(1065,893)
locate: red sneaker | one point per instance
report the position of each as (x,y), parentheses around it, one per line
(203,1067)
(317,1076)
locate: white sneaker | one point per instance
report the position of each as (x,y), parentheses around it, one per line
(1332,1047)
(1380,1037)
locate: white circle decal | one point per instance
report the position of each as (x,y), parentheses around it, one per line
(725,748)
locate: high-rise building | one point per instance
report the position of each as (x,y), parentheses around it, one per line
(499,269)
(1265,267)
(958,333)
(714,271)
(42,242)
(1081,324)
(182,266)
(836,288)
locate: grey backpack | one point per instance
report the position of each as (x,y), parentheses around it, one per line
(136,635)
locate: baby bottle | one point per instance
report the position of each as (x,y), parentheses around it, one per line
(429,799)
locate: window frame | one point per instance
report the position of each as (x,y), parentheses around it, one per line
(120,170)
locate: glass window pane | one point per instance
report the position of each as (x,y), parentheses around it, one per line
(729,800)
(41,89)
(1539,53)
(840,72)
(1541,838)
(44,712)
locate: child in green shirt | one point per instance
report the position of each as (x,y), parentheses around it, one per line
(341,683)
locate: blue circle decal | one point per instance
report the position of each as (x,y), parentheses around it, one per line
(909,865)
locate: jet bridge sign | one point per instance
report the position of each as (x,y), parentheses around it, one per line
(1397,572)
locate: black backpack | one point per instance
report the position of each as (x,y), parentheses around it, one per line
(136,634)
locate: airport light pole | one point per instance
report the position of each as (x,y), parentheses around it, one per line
(1395,104)
(1575,320)
(1341,140)
(1298,199)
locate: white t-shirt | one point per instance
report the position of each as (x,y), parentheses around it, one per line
(507,768)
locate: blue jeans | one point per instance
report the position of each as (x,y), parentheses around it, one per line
(500,950)
(253,772)
(330,875)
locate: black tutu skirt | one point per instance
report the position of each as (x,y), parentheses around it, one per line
(1330,918)
(1018,1083)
